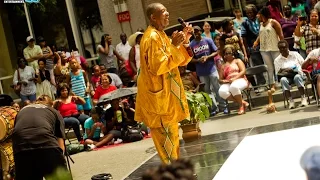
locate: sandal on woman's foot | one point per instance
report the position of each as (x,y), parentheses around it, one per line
(242,110)
(245,103)
(273,90)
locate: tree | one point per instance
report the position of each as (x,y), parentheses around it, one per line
(89,17)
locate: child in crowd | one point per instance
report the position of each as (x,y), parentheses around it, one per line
(16,106)
(93,129)
(95,79)
(80,85)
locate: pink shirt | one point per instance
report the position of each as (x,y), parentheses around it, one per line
(95,80)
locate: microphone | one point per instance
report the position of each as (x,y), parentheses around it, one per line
(183,24)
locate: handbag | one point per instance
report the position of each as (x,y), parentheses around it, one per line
(287,74)
(17,88)
(132,133)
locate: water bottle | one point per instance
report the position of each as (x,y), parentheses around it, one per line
(119,116)
(295,68)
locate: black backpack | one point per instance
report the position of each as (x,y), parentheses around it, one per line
(103,176)
(132,133)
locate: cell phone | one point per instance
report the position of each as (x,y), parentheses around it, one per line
(302,18)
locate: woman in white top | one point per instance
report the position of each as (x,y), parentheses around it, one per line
(269,35)
(107,52)
(134,56)
(25,76)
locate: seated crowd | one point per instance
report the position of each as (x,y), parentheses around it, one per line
(218,67)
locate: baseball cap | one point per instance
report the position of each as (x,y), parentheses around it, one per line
(197,28)
(30,38)
(41,39)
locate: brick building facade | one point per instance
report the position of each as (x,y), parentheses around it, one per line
(176,8)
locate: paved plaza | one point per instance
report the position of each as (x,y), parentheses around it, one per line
(221,137)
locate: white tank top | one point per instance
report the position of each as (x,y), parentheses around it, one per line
(268,38)
(137,55)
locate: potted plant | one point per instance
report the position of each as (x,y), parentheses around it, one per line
(199,104)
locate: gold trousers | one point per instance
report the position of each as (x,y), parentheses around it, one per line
(166,140)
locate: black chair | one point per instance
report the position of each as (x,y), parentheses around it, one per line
(5,100)
(314,87)
(251,71)
(306,82)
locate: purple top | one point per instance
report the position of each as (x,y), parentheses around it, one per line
(288,26)
(205,47)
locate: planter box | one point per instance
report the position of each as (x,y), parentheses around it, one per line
(191,132)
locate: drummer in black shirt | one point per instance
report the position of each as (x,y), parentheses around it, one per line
(38,140)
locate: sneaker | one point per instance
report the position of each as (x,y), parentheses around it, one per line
(213,113)
(118,141)
(111,142)
(91,147)
(291,104)
(226,111)
(257,92)
(304,102)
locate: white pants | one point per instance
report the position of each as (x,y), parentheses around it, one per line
(268,58)
(233,89)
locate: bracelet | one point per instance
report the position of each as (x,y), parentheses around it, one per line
(186,45)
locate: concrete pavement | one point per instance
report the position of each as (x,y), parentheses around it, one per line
(122,160)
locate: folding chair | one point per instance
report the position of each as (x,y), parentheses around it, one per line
(251,71)
(314,86)
(308,81)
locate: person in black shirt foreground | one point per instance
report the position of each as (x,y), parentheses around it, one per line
(38,141)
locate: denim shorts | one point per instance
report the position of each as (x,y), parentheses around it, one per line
(31,97)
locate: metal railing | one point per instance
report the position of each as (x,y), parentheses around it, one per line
(1,79)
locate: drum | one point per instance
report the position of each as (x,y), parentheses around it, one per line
(7,161)
(7,117)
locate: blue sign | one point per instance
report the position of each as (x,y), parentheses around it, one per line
(21,1)
(32,1)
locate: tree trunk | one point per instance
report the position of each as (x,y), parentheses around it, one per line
(67,24)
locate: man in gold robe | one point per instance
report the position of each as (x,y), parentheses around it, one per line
(161,101)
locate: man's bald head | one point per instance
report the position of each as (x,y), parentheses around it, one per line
(158,16)
(152,8)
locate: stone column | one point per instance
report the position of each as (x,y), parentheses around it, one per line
(8,56)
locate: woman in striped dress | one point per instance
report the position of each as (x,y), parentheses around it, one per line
(80,85)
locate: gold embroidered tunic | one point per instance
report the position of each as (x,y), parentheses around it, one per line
(161,98)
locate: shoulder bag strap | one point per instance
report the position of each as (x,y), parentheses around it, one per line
(19,79)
